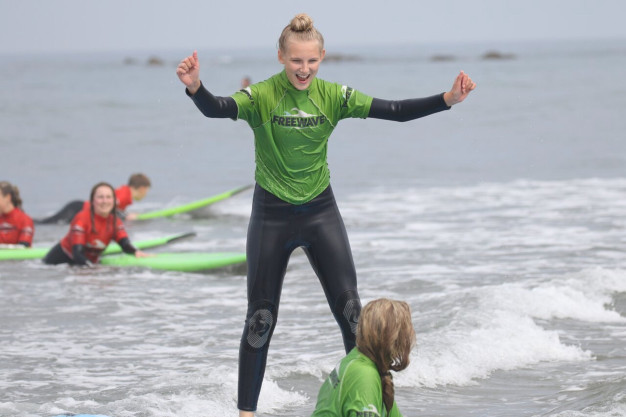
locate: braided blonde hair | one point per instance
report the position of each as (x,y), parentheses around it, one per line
(385,334)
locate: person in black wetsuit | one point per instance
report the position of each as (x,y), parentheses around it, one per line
(292,115)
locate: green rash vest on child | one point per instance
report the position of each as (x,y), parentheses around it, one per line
(291,130)
(353,389)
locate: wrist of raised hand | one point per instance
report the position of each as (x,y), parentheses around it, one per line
(194,87)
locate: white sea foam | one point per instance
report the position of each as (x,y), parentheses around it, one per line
(613,407)
(480,343)
(494,328)
(584,297)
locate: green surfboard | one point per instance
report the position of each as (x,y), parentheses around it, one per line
(194,205)
(22,253)
(178,261)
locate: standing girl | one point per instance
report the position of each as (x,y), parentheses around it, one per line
(292,115)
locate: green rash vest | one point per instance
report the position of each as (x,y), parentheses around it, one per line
(291,130)
(353,389)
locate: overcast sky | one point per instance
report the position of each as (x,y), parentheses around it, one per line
(157,25)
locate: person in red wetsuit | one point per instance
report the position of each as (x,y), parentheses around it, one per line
(91,231)
(16,227)
(135,190)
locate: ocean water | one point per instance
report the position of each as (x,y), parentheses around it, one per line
(501,222)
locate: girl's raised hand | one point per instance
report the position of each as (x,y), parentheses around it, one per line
(461,87)
(188,72)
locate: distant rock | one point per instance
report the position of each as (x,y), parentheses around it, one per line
(341,58)
(497,55)
(154,61)
(130,61)
(440,58)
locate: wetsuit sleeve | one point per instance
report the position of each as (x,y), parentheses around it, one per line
(120,230)
(353,103)
(78,255)
(213,106)
(405,110)
(126,246)
(27,230)
(26,234)
(77,232)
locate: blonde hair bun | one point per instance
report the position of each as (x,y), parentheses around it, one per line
(300,29)
(301,23)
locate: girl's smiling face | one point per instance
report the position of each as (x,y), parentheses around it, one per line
(301,60)
(103,201)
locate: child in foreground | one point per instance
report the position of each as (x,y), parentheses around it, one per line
(361,384)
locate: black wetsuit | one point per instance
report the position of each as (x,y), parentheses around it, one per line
(65,215)
(277,228)
(56,255)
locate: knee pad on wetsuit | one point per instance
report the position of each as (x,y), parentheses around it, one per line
(260,324)
(348,309)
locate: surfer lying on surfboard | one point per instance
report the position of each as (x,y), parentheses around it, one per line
(91,231)
(135,190)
